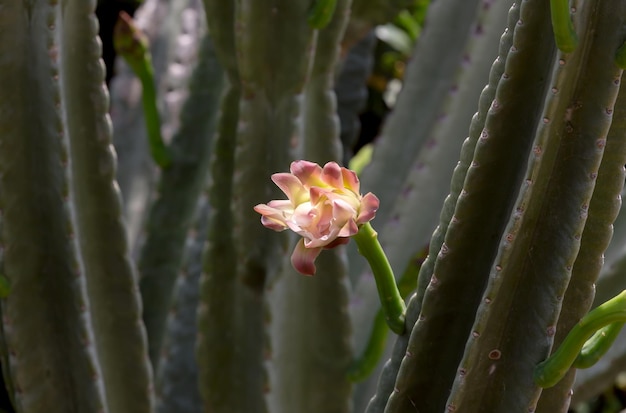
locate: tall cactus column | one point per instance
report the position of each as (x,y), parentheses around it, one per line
(220,387)
(266,59)
(45,318)
(115,303)
(542,240)
(310,325)
(603,209)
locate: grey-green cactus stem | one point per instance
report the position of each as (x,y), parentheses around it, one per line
(603,209)
(47,303)
(268,111)
(480,216)
(177,389)
(302,339)
(180,185)
(225,389)
(222,387)
(388,377)
(115,303)
(542,239)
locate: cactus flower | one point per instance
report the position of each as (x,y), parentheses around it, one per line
(324,206)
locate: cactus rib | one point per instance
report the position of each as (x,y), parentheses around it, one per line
(47,303)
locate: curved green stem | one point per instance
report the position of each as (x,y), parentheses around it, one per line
(551,371)
(132,45)
(390,298)
(564,32)
(362,367)
(597,345)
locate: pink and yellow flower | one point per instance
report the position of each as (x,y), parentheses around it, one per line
(324,206)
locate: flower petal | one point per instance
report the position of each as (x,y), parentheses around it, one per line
(292,187)
(308,173)
(350,180)
(369,206)
(303,259)
(331,175)
(349,229)
(302,218)
(318,194)
(272,217)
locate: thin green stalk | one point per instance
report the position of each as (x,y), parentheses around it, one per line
(390,298)
(132,45)
(362,367)
(367,362)
(550,371)
(562,25)
(597,345)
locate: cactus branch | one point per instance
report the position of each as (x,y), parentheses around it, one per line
(550,371)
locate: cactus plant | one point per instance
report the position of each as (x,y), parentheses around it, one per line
(519,224)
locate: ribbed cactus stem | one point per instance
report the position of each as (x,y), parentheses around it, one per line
(387,384)
(310,326)
(120,336)
(603,209)
(45,319)
(542,239)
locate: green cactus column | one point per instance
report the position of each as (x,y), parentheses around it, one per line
(542,239)
(46,317)
(310,325)
(603,209)
(489,189)
(223,387)
(112,289)
(411,377)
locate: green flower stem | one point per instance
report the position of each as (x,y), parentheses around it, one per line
(362,367)
(390,298)
(551,371)
(132,45)
(564,32)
